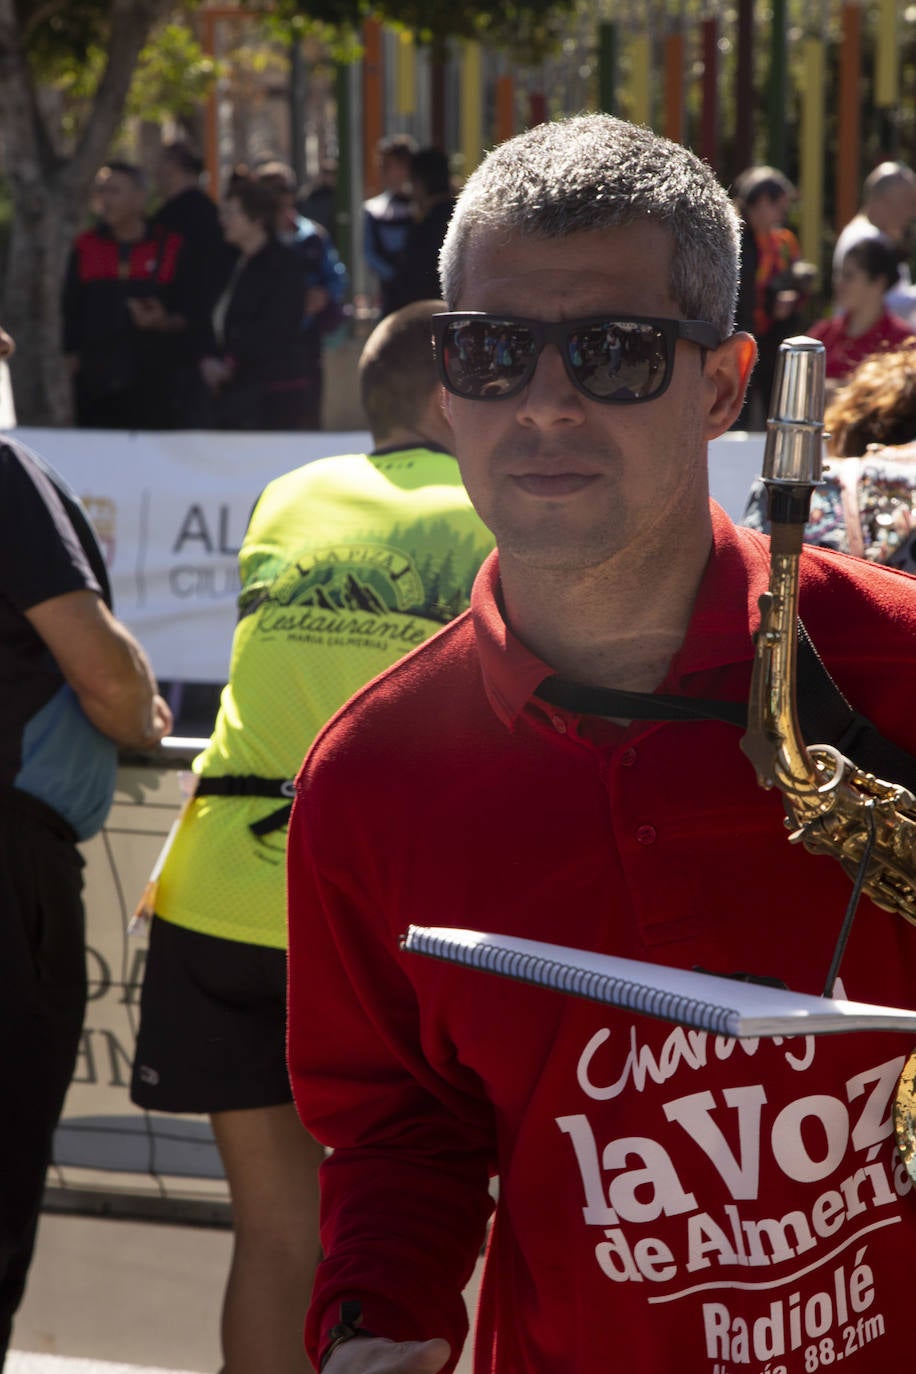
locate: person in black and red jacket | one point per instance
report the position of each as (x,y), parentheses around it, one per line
(127,295)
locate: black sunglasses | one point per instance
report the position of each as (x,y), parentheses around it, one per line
(617,359)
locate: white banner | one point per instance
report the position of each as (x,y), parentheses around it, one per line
(171,509)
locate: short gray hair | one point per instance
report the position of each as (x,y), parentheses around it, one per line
(597,172)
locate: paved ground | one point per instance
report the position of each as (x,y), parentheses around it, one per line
(124,1297)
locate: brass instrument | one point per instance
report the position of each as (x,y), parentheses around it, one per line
(832,806)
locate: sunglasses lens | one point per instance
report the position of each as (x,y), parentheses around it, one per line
(487,358)
(620,360)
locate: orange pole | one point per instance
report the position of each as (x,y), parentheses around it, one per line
(211,133)
(849,121)
(373,101)
(674,87)
(505,108)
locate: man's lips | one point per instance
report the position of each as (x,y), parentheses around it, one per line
(553,484)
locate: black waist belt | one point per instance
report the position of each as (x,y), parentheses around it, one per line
(250,785)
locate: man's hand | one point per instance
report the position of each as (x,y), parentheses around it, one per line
(316,300)
(373,1355)
(215,372)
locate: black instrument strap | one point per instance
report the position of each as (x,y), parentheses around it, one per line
(824,714)
(250,785)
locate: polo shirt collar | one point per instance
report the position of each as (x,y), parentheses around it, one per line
(719,633)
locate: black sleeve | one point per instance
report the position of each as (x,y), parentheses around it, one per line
(41,552)
(71,295)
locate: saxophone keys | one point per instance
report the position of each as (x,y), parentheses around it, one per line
(905,1116)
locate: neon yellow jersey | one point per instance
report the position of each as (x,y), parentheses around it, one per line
(347,564)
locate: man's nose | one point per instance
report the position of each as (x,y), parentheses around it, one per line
(550,397)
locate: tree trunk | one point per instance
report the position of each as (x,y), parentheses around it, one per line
(41,232)
(49,196)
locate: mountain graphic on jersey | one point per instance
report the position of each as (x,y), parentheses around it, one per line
(345,593)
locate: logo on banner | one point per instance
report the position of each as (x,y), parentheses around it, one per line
(102,512)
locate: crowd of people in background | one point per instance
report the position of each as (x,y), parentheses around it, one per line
(206,316)
(184,318)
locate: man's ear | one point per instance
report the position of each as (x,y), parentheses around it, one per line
(728,371)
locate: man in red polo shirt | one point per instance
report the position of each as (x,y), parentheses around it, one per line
(668,1200)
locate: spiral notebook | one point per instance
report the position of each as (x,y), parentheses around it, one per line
(705,1001)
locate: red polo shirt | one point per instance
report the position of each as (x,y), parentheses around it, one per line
(668,1200)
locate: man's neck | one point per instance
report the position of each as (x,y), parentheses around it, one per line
(131,232)
(614,626)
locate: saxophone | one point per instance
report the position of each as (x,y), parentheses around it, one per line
(832,806)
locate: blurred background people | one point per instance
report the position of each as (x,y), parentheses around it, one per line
(74,684)
(255,366)
(127,293)
(324,277)
(432,203)
(187,210)
(866,502)
(773,283)
(887,213)
(319,203)
(347,564)
(387,218)
(868,272)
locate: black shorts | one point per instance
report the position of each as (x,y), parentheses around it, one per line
(212,1032)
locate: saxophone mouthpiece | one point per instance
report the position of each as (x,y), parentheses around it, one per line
(795,429)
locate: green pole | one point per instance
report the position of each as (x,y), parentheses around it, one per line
(607,67)
(343,214)
(777,89)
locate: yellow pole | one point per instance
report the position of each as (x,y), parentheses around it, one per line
(471,107)
(887,57)
(405,75)
(811,152)
(640,79)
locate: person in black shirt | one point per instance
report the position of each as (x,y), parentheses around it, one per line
(254,368)
(74,684)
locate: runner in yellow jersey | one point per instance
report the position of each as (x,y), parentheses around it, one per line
(347,564)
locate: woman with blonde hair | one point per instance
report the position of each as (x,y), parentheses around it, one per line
(866,504)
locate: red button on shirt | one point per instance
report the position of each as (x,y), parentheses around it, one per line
(646,834)
(628,758)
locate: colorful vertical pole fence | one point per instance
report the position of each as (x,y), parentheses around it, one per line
(373,101)
(849,129)
(674,85)
(405,75)
(811,151)
(887,57)
(709,94)
(471,107)
(744,89)
(505,108)
(607,67)
(777,88)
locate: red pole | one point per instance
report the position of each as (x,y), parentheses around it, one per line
(373,101)
(505,108)
(537,108)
